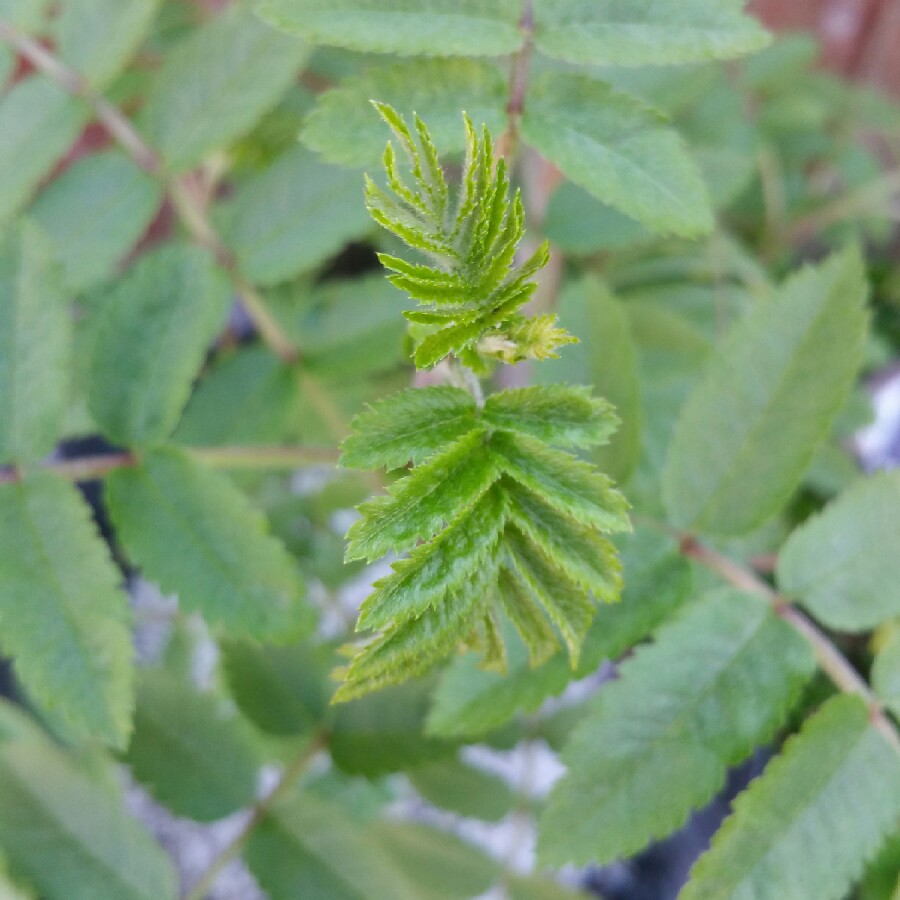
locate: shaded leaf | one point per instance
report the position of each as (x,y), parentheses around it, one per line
(291,216)
(97,37)
(34,346)
(216,84)
(343,129)
(155,332)
(68,833)
(196,534)
(195,760)
(95,212)
(38,123)
(63,617)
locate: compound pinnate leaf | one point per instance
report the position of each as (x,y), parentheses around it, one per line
(434,569)
(97,37)
(437,491)
(63,617)
(619,150)
(806,828)
(38,123)
(605,357)
(556,414)
(626,33)
(94,213)
(343,130)
(573,487)
(408,427)
(156,330)
(405,27)
(68,833)
(34,346)
(192,531)
(216,84)
(195,760)
(290,217)
(470,701)
(658,742)
(770,394)
(841,564)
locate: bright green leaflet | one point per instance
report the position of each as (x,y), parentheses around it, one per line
(651,32)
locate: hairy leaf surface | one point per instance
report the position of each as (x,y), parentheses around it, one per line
(408,427)
(470,701)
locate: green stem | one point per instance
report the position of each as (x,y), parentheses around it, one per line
(89,468)
(258,813)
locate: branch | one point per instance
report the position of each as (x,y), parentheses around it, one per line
(518,84)
(117,125)
(192,215)
(831,661)
(258,813)
(89,468)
